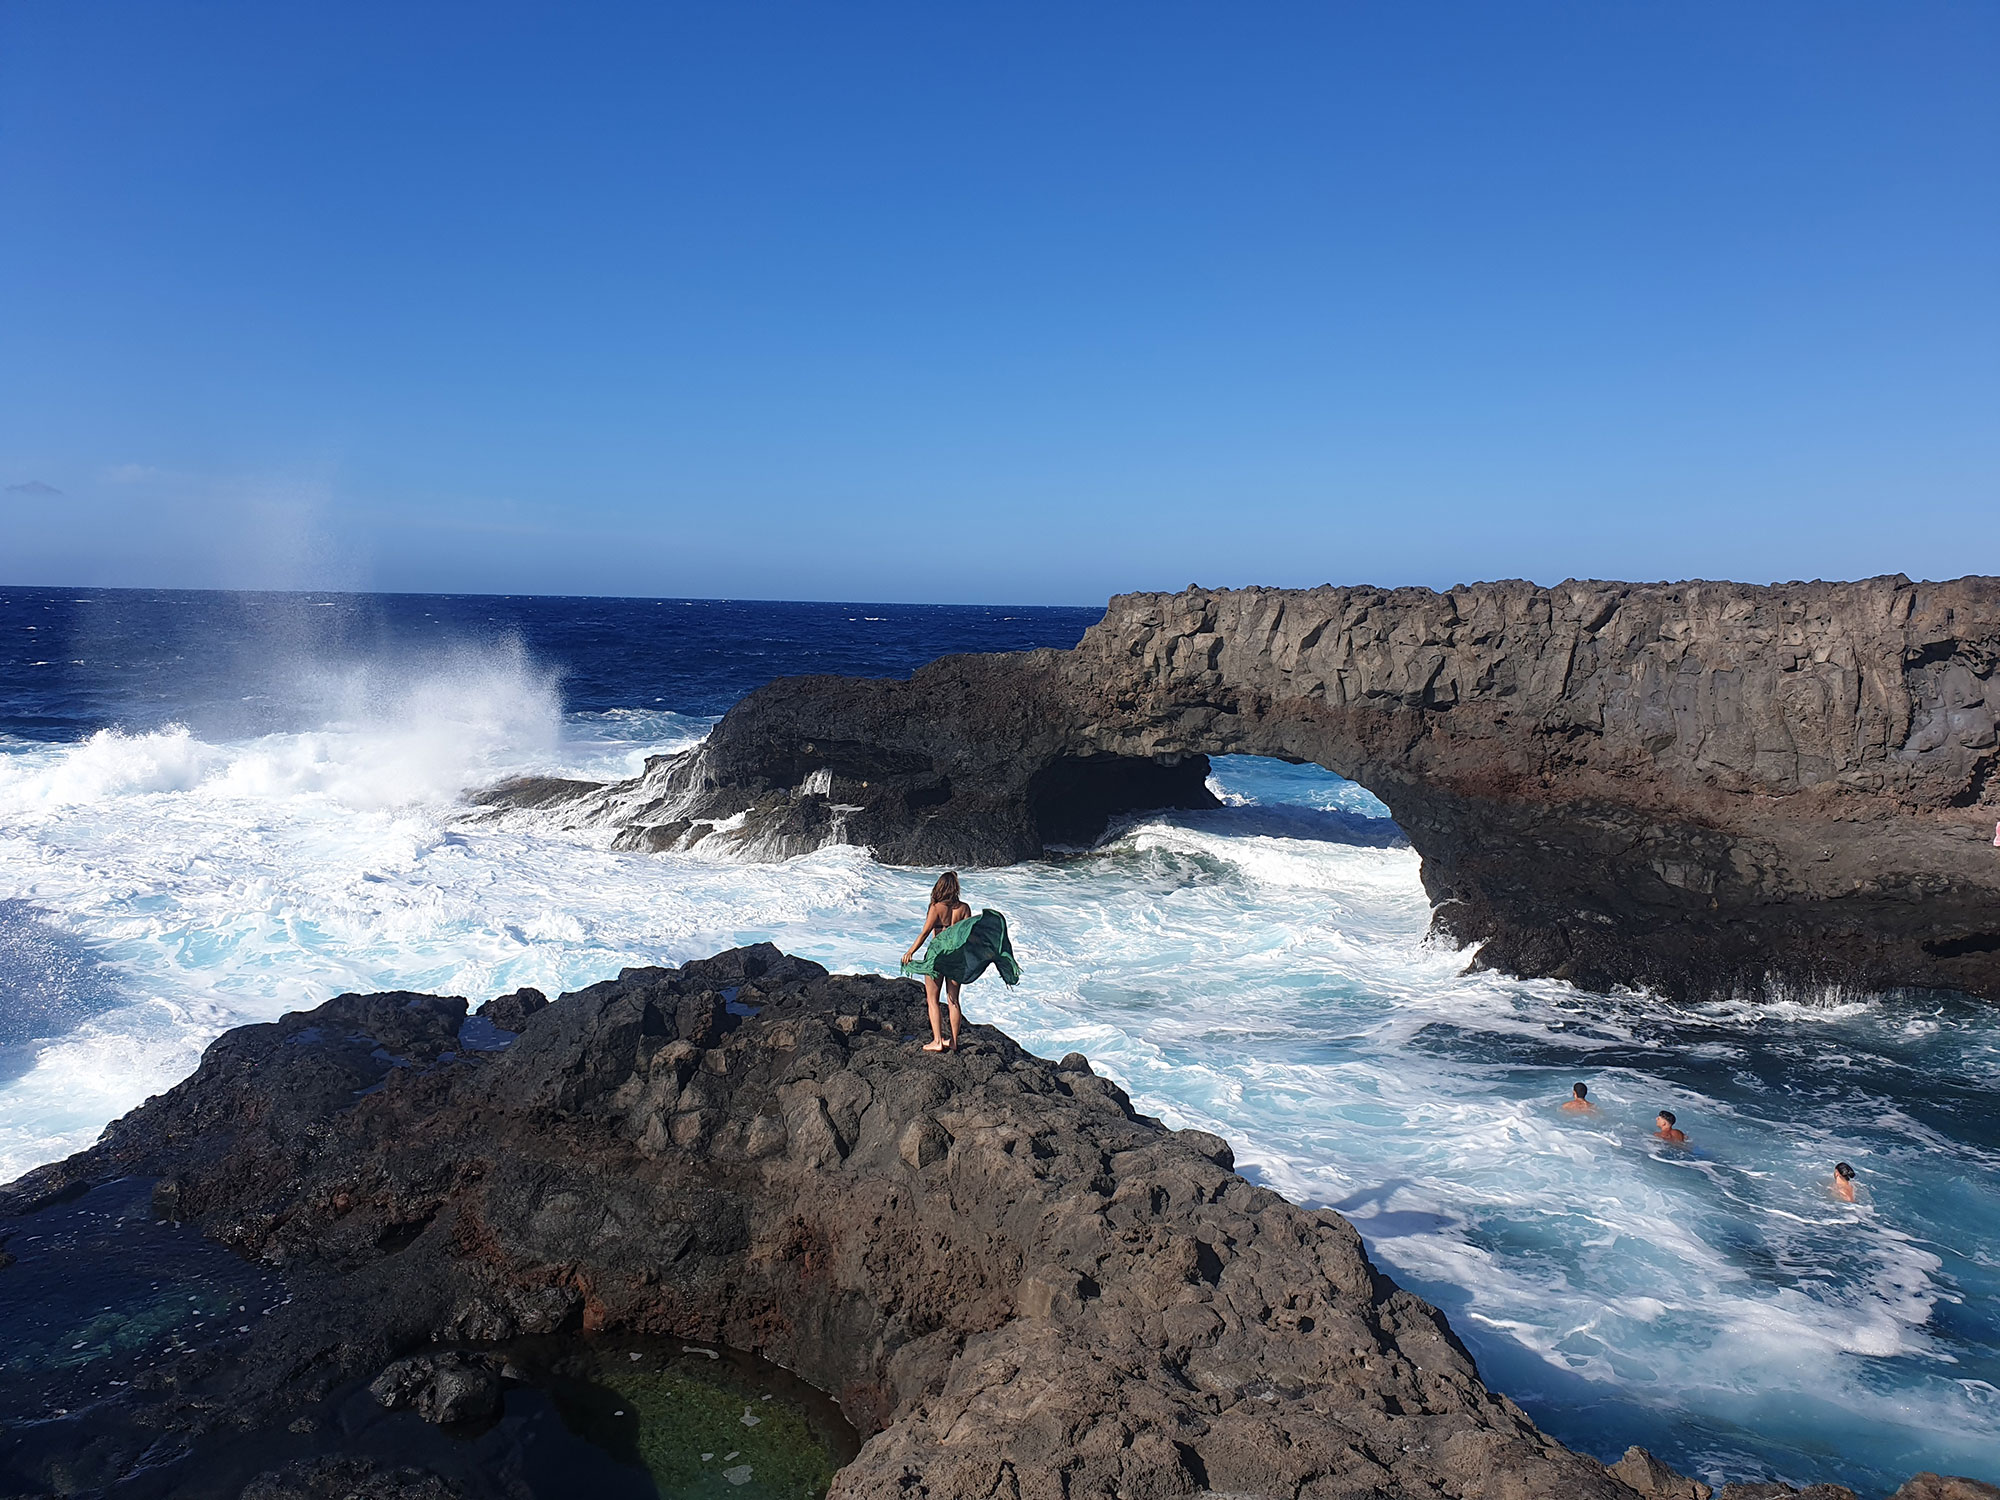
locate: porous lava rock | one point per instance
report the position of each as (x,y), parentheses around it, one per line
(1655,1480)
(347,1479)
(511,1012)
(1014,1283)
(1702,788)
(441,1388)
(1928,1486)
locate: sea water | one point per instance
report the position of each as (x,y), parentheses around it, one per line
(216,808)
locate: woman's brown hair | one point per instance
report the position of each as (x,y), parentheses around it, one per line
(945,892)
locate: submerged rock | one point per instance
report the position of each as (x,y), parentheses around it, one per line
(449,1387)
(1014,1284)
(347,1479)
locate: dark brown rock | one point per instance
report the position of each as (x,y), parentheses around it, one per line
(1014,1284)
(511,1012)
(1647,1476)
(1009,1279)
(1929,1486)
(442,1388)
(529,791)
(347,1479)
(1214,1147)
(1704,788)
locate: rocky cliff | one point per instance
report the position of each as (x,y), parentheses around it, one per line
(1704,788)
(1015,1284)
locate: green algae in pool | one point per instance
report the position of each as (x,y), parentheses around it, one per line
(700,1421)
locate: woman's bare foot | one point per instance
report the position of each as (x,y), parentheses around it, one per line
(937,1046)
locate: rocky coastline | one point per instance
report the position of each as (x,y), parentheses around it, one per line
(1014,1284)
(1702,789)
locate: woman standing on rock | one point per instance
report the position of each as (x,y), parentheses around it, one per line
(961,949)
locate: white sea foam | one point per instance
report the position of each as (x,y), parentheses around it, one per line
(389,739)
(105,767)
(1247,972)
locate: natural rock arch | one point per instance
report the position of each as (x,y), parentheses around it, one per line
(1703,788)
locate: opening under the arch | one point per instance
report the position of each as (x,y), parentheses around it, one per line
(1290,800)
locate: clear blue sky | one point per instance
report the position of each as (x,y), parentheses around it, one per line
(995,302)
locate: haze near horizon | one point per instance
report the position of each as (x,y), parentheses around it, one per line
(1022,304)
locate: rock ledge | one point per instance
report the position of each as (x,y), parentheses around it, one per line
(1014,1284)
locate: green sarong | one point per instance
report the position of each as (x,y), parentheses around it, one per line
(965,949)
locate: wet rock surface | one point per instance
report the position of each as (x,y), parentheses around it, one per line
(1014,1284)
(347,1479)
(512,1012)
(1705,788)
(442,1388)
(1929,1486)
(1647,1476)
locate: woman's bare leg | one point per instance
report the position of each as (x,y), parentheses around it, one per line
(937,1042)
(951,993)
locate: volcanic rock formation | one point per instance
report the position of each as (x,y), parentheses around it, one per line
(1703,788)
(1016,1284)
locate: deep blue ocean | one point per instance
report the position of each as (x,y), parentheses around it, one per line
(217,807)
(80,660)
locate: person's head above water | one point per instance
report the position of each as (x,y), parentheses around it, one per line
(1843,1171)
(945,892)
(1668,1131)
(1667,1118)
(1581,1090)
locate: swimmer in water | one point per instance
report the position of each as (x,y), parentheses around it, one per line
(1843,1182)
(1579,1103)
(1668,1132)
